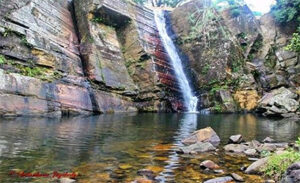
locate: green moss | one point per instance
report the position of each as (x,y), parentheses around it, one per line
(218,107)
(205,69)
(25,42)
(277,164)
(2,60)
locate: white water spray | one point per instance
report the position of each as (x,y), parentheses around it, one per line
(190,100)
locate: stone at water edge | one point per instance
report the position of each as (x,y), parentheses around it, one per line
(209,164)
(268,140)
(251,152)
(255,168)
(236,148)
(236,139)
(237,177)
(292,174)
(219,180)
(203,135)
(199,147)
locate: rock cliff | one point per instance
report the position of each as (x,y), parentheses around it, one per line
(81,57)
(102,56)
(237,60)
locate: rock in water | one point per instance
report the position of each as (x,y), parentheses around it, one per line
(203,135)
(220,180)
(256,167)
(209,164)
(268,140)
(236,139)
(199,147)
(292,174)
(236,148)
(237,177)
(250,152)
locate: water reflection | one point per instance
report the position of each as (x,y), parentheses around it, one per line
(140,140)
(188,124)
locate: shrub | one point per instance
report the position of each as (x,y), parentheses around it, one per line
(2,59)
(294,44)
(286,11)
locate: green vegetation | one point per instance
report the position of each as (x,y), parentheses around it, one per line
(278,163)
(205,69)
(25,42)
(2,60)
(286,11)
(294,44)
(218,107)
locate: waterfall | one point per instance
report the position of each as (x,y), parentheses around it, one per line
(190,100)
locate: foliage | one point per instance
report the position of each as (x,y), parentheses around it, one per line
(235,11)
(25,42)
(286,11)
(218,107)
(277,164)
(206,68)
(2,59)
(298,142)
(294,44)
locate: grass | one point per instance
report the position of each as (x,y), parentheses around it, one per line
(278,163)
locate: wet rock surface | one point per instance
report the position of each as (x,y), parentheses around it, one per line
(203,135)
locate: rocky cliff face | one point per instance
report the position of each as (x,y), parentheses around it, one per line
(99,59)
(238,61)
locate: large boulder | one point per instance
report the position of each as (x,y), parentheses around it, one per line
(257,166)
(279,102)
(203,135)
(292,174)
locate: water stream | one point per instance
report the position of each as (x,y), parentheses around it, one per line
(190,100)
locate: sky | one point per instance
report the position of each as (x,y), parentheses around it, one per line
(262,6)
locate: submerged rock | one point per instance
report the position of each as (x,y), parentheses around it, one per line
(292,174)
(237,177)
(256,167)
(203,135)
(66,180)
(219,180)
(209,164)
(236,139)
(199,147)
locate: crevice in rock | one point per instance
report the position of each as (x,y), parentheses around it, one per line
(95,106)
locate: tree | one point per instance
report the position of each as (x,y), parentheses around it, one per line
(286,11)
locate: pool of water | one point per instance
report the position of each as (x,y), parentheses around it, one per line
(112,148)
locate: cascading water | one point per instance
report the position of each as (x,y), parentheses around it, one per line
(190,100)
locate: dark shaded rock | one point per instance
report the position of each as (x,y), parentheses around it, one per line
(198,147)
(219,180)
(209,164)
(203,135)
(292,174)
(268,140)
(257,166)
(237,177)
(236,139)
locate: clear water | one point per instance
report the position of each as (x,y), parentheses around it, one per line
(190,100)
(98,146)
